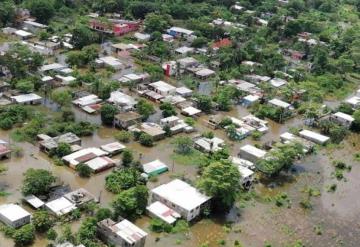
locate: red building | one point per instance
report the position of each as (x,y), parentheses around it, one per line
(221,43)
(115,27)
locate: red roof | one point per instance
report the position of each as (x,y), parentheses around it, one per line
(222,43)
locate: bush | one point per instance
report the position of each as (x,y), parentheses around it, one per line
(51,234)
(146,140)
(157,225)
(103,213)
(25,235)
(42,221)
(123,136)
(123,179)
(83,170)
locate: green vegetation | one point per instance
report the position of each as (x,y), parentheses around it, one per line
(123,136)
(123,179)
(37,182)
(83,170)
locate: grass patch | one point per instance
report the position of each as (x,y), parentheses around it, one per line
(4,193)
(195,157)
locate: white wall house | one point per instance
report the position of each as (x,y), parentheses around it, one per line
(181,197)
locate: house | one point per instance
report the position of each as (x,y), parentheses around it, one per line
(126,119)
(179,32)
(122,101)
(68,244)
(80,197)
(90,99)
(163,212)
(184,50)
(251,153)
(153,96)
(209,145)
(113,148)
(226,42)
(257,123)
(181,197)
(83,155)
(162,88)
(281,104)
(190,111)
(184,92)
(314,137)
(100,163)
(173,99)
(65,80)
(354,102)
(34,201)
(5,150)
(135,78)
(246,176)
(155,168)
(51,143)
(109,61)
(242,162)
(176,125)
(60,206)
(14,216)
(152,129)
(257,78)
(204,73)
(26,99)
(122,234)
(249,100)
(33,26)
(343,119)
(52,67)
(187,62)
(115,27)
(291,138)
(23,34)
(277,82)
(142,36)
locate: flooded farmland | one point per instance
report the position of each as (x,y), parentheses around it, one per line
(253,222)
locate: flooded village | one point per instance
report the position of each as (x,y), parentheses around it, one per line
(230,124)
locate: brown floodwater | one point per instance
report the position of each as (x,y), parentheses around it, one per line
(253,222)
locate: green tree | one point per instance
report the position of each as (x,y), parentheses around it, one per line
(146,140)
(61,97)
(7,12)
(156,22)
(108,6)
(127,157)
(41,9)
(87,232)
(42,221)
(83,170)
(62,149)
(24,235)
(51,234)
(145,108)
(37,182)
(83,36)
(24,86)
(123,136)
(204,103)
(356,123)
(103,213)
(123,179)
(221,181)
(167,109)
(107,113)
(131,203)
(183,145)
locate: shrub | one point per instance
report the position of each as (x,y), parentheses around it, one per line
(83,170)
(123,136)
(146,140)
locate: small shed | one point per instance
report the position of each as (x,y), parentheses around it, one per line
(155,167)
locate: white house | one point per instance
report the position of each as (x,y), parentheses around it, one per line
(251,153)
(122,234)
(209,145)
(343,119)
(60,206)
(122,101)
(163,212)
(314,137)
(27,99)
(181,197)
(83,155)
(162,88)
(13,215)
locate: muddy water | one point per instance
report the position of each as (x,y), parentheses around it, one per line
(337,213)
